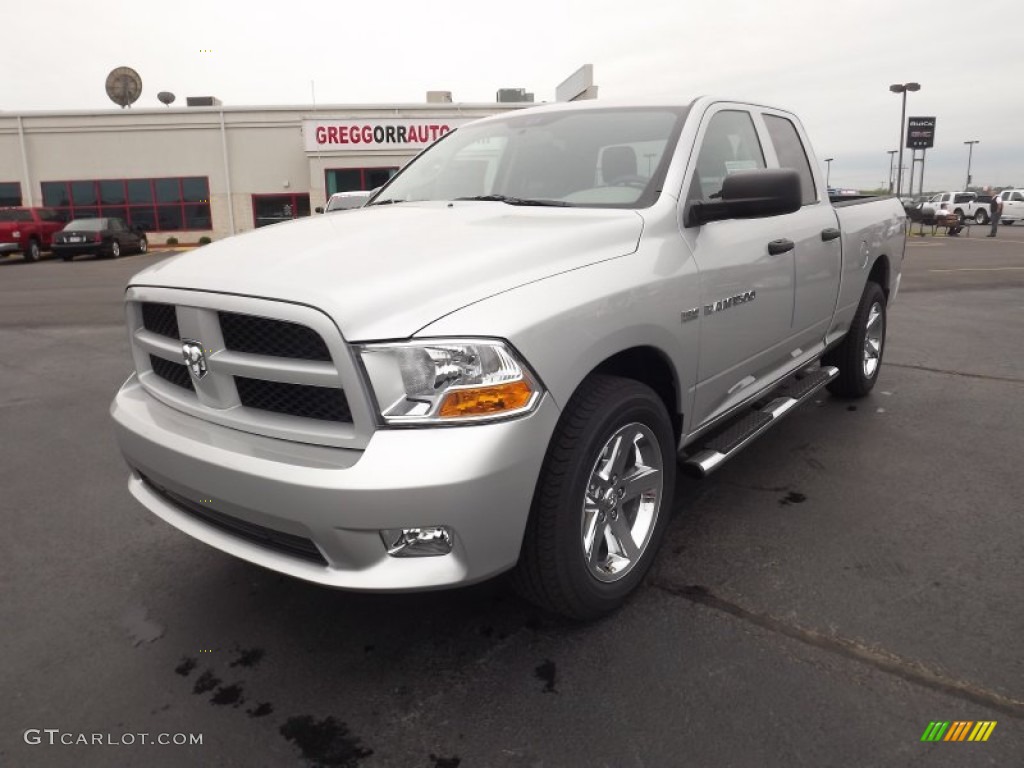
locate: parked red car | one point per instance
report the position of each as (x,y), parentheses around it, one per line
(28,231)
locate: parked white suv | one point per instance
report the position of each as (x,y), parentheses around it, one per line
(1013,205)
(963,204)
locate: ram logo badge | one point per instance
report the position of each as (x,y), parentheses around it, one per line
(195,357)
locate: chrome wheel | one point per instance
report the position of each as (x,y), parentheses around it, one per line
(143,245)
(622,502)
(873,336)
(115,249)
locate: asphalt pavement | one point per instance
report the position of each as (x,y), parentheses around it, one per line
(853,576)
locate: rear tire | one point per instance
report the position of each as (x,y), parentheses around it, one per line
(607,480)
(33,251)
(960,217)
(859,356)
(115,249)
(66,257)
(981,218)
(143,245)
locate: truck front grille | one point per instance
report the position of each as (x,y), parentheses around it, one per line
(176,373)
(272,368)
(265,336)
(161,319)
(278,541)
(308,402)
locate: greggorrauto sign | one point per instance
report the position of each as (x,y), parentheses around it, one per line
(360,135)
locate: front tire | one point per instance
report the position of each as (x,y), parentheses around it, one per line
(603,500)
(859,356)
(143,245)
(960,217)
(115,249)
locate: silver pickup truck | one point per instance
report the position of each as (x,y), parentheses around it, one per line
(500,362)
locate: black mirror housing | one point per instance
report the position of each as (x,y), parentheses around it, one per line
(750,195)
(319,209)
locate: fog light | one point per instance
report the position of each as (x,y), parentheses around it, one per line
(418,542)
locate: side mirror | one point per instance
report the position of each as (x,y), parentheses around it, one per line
(750,195)
(319,209)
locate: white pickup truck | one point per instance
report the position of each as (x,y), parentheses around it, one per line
(499,362)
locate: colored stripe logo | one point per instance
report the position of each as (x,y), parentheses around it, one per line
(958,730)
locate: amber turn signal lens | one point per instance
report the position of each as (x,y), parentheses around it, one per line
(481,401)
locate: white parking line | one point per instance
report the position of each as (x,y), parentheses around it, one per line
(979,269)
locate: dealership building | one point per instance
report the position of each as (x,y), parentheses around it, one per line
(214,170)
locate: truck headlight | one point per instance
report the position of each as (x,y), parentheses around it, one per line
(442,381)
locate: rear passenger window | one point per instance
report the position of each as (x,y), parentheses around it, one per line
(730,145)
(790,151)
(1017,197)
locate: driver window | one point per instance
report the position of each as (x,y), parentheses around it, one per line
(730,145)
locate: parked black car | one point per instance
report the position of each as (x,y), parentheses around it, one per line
(108,237)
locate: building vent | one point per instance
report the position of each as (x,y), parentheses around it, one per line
(439,97)
(202,101)
(513,94)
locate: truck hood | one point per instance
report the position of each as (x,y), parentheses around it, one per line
(385,272)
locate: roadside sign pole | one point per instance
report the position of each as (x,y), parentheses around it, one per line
(920,183)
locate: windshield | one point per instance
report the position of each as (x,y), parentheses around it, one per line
(86,225)
(607,158)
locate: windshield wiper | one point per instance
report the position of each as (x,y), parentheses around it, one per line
(389,201)
(515,200)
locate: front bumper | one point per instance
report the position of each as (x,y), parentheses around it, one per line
(478,480)
(10,247)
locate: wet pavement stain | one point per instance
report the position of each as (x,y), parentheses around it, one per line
(248,658)
(546,672)
(326,743)
(264,709)
(206,682)
(228,694)
(187,665)
(445,762)
(851,407)
(141,629)
(793,497)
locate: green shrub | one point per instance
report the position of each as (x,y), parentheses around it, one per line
(172,240)
(204,240)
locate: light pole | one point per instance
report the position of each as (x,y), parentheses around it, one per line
(970,152)
(828,170)
(902,88)
(892,155)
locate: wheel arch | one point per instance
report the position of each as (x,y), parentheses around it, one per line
(652,367)
(881,273)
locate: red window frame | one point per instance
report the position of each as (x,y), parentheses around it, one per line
(294,197)
(99,209)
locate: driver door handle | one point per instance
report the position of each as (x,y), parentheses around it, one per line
(775,247)
(829,234)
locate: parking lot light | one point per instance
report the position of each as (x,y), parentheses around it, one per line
(970,151)
(902,88)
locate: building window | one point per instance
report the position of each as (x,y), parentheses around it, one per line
(10,194)
(271,209)
(353,179)
(155,205)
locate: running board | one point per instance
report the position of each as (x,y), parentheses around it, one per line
(739,433)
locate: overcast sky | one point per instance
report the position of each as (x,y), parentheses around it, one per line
(829,61)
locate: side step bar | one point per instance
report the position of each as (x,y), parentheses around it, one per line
(744,430)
